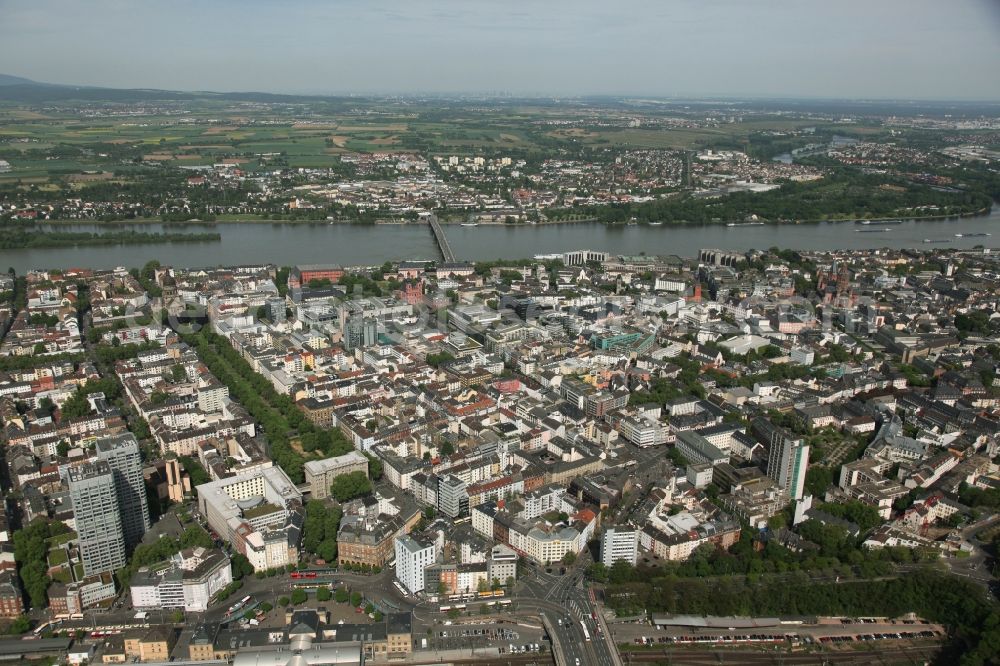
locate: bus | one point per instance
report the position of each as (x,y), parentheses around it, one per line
(37,633)
(586,634)
(238,605)
(487,594)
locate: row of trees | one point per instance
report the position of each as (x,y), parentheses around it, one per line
(341,596)
(278,415)
(18,296)
(12,363)
(229,590)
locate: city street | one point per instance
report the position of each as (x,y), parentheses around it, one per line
(976,567)
(566,604)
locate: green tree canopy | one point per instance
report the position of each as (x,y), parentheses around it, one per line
(349,486)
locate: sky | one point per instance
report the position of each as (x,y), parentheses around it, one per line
(848,49)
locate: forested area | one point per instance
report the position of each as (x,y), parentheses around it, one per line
(975,497)
(974,623)
(841,195)
(837,554)
(15,238)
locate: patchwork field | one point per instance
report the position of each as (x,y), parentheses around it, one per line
(72,143)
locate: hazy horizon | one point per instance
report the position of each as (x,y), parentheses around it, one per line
(792,49)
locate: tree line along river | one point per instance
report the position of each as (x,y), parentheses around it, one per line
(354,245)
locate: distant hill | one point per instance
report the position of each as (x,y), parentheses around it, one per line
(20,89)
(8,80)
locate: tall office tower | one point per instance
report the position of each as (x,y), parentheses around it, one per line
(122,455)
(787,461)
(98,520)
(360,332)
(453,498)
(276,309)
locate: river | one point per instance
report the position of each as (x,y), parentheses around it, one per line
(355,245)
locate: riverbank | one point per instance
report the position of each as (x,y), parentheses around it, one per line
(983,212)
(352,244)
(27,238)
(193,223)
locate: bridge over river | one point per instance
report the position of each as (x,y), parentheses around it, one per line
(442,241)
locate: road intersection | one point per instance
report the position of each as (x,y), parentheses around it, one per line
(561,600)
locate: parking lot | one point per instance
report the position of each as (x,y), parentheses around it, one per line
(783,638)
(508,638)
(901,635)
(826,632)
(710,639)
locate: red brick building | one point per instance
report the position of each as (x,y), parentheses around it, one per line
(11,600)
(413,292)
(302,275)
